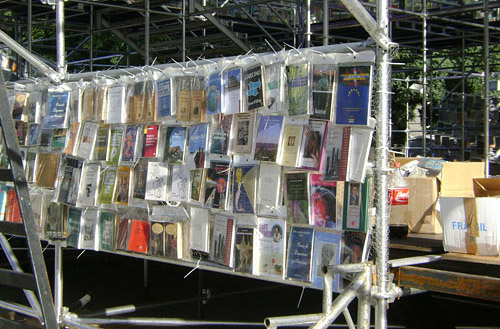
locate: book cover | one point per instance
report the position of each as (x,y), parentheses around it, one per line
(88,228)
(3,202)
(353,95)
(101,143)
(268,189)
(156,182)
(273,82)
(46,169)
(255,94)
(290,144)
(107,185)
(138,101)
(57,107)
(129,144)
(58,138)
(354,250)
(21,128)
(298,89)
(244,189)
(355,206)
(232,92)
(198,238)
(359,149)
(268,138)
(197,182)
(12,209)
(220,134)
(311,145)
(197,145)
(269,247)
(175,144)
(107,230)
(122,186)
(326,251)
(87,104)
(323,76)
(100,103)
(86,141)
(73,227)
(73,133)
(222,241)
(52,216)
(322,202)
(180,184)
(184,99)
(214,101)
(243,132)
(87,196)
(70,180)
(299,254)
(115,105)
(173,240)
(149,101)
(139,179)
(34,131)
(46,137)
(297,197)
(198,100)
(19,107)
(115,145)
(163,99)
(157,239)
(122,233)
(243,251)
(150,141)
(216,185)
(138,239)
(335,153)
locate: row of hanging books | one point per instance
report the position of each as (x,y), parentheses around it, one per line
(256,163)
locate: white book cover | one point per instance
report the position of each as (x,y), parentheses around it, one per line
(361,139)
(115,112)
(179,189)
(268,189)
(88,229)
(86,142)
(233,91)
(156,182)
(269,247)
(199,230)
(89,186)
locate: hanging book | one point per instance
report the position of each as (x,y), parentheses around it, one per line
(223,241)
(101,143)
(299,254)
(359,150)
(297,197)
(184,98)
(122,233)
(216,185)
(173,240)
(88,229)
(107,230)
(139,178)
(52,216)
(100,103)
(73,133)
(163,99)
(107,185)
(115,105)
(322,202)
(19,111)
(323,76)
(273,98)
(180,184)
(268,192)
(243,251)
(21,128)
(198,100)
(326,252)
(34,130)
(220,133)
(290,144)
(214,101)
(268,138)
(122,186)
(86,141)
(336,153)
(115,146)
(233,92)
(88,99)
(57,107)
(12,209)
(129,144)
(87,196)
(353,95)
(150,147)
(298,89)
(269,247)
(242,133)
(138,237)
(157,239)
(58,139)
(199,231)
(156,182)
(197,145)
(354,250)
(197,182)
(244,189)
(355,213)
(70,180)
(46,137)
(149,101)
(46,169)
(311,145)
(255,94)
(73,227)
(175,144)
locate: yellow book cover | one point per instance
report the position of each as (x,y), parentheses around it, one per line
(290,145)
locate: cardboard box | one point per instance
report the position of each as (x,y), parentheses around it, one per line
(470,217)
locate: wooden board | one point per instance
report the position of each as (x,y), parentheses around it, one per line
(493,260)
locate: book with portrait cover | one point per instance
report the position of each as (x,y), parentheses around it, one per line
(115,145)
(222,242)
(268,138)
(88,227)
(242,133)
(273,95)
(129,144)
(269,247)
(107,230)
(197,148)
(150,147)
(122,233)
(244,188)
(122,186)
(326,251)
(139,176)
(86,140)
(323,82)
(243,249)
(323,202)
(232,92)
(300,244)
(107,185)
(87,196)
(214,99)
(57,107)
(297,197)
(216,185)
(220,134)
(101,143)
(355,213)
(311,145)
(73,226)
(71,170)
(156,181)
(163,99)
(255,94)
(175,144)
(298,88)
(353,95)
(138,237)
(292,135)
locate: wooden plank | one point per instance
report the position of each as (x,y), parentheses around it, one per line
(492,260)
(468,285)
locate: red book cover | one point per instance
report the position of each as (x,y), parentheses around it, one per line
(138,240)
(13,212)
(344,158)
(229,242)
(150,141)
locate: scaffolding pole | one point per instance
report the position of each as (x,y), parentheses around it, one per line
(61,66)
(486,49)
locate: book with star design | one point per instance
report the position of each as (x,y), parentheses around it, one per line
(353,95)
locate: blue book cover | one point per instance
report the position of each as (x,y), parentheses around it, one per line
(214,94)
(129,143)
(299,253)
(175,144)
(232,91)
(353,95)
(198,138)
(244,189)
(255,94)
(3,201)
(163,98)
(268,138)
(326,251)
(57,106)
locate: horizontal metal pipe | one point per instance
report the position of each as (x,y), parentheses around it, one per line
(18,308)
(161,322)
(414,260)
(345,268)
(274,322)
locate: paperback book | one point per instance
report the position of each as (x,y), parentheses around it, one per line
(220,134)
(58,139)
(173,240)
(353,95)
(46,166)
(273,82)
(106,230)
(232,95)
(156,182)
(336,153)
(101,143)
(199,231)
(150,147)
(157,239)
(243,124)
(71,170)
(73,227)
(326,252)
(354,250)
(71,140)
(255,94)
(52,212)
(107,185)
(268,138)
(298,89)
(223,241)
(115,104)
(269,186)
(322,202)
(122,233)
(122,186)
(88,227)
(88,98)
(269,247)
(57,107)
(180,184)
(243,251)
(197,145)
(197,184)
(290,144)
(140,173)
(19,111)
(311,145)
(34,130)
(163,99)
(87,195)
(244,189)
(214,101)
(356,204)
(323,76)
(21,128)
(299,254)
(129,144)
(138,237)
(297,197)
(175,144)
(87,138)
(115,145)
(216,185)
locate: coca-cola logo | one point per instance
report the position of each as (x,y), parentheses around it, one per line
(401,196)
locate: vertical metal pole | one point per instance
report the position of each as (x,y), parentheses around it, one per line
(326,21)
(146,273)
(327,291)
(61,65)
(407,129)
(183,30)
(308,24)
(30,41)
(364,307)
(463,100)
(486,54)
(146,32)
(382,222)
(91,50)
(424,78)
(58,280)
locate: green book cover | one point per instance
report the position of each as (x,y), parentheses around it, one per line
(106,231)
(74,216)
(115,144)
(298,89)
(107,186)
(355,214)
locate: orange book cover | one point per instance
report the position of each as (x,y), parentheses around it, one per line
(13,212)
(138,240)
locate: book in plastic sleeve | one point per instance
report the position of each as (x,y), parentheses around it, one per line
(220,134)
(12,209)
(354,250)
(268,189)
(149,101)
(164,91)
(327,249)
(87,111)
(214,94)
(157,239)
(138,237)
(21,128)
(353,95)
(273,83)
(139,178)
(184,99)
(232,91)
(57,107)
(198,95)
(122,187)
(197,148)
(114,145)
(87,138)
(311,145)
(242,133)
(156,181)
(72,138)
(115,112)
(69,184)
(88,229)
(290,144)
(355,213)
(58,139)
(19,110)
(269,247)
(243,249)
(101,143)
(222,241)
(298,88)
(299,255)
(244,188)
(52,213)
(323,82)
(100,103)
(255,92)
(199,236)
(335,153)
(129,144)
(87,195)
(297,197)
(106,236)
(323,202)
(179,189)
(34,131)
(175,144)
(122,233)
(359,150)
(73,228)
(268,138)
(107,188)
(216,185)
(197,183)
(150,149)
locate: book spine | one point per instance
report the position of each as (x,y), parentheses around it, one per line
(344,159)
(229,242)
